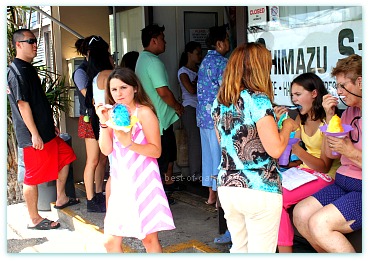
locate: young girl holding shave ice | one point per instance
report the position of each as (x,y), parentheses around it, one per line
(138,206)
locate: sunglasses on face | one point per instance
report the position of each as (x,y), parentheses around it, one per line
(29,41)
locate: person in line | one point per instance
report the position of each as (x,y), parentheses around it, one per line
(187,78)
(138,206)
(154,77)
(129,60)
(209,79)
(249,182)
(307,91)
(96,51)
(35,131)
(325,217)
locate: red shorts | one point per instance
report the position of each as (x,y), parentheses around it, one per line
(44,165)
(85,129)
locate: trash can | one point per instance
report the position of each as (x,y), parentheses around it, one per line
(47,190)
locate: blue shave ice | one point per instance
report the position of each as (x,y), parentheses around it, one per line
(294,107)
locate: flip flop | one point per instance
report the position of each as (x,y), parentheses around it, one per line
(71,202)
(208,203)
(45,224)
(224,239)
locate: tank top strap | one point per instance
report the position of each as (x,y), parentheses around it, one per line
(135,113)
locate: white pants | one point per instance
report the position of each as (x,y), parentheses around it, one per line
(253,218)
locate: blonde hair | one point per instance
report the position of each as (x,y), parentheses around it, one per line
(248,68)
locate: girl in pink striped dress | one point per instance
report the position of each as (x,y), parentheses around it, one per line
(137,205)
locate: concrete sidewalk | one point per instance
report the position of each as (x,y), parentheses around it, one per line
(82,232)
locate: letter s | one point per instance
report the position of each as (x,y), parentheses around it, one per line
(349,34)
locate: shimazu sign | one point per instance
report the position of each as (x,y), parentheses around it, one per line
(309,49)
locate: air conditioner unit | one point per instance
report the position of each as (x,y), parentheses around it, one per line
(73,100)
(72,63)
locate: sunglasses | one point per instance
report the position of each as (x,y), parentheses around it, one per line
(30,41)
(355,132)
(97,38)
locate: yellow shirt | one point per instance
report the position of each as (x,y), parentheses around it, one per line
(313,146)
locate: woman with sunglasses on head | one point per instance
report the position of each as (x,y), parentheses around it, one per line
(98,59)
(325,217)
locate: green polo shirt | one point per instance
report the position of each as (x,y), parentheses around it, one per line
(152,74)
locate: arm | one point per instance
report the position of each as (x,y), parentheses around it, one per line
(322,164)
(344,147)
(81,80)
(106,134)
(273,141)
(26,113)
(166,94)
(150,127)
(191,87)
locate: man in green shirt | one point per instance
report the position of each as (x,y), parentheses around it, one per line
(154,78)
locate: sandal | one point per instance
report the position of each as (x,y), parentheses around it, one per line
(70,202)
(45,224)
(224,239)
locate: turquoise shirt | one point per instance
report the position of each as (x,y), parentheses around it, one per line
(244,161)
(152,74)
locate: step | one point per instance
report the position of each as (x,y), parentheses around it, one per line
(196,226)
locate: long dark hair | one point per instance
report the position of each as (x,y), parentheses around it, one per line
(129,60)
(310,82)
(98,57)
(189,48)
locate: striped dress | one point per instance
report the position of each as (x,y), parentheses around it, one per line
(137,205)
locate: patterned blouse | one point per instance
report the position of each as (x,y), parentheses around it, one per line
(209,80)
(244,161)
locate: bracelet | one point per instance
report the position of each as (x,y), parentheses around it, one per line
(129,145)
(103,125)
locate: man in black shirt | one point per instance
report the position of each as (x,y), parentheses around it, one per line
(46,155)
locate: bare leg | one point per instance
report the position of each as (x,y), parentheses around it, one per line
(212,196)
(302,212)
(168,175)
(113,244)
(30,193)
(92,160)
(100,173)
(61,197)
(152,244)
(285,249)
(328,227)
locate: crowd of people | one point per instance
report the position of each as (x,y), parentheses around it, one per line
(234,142)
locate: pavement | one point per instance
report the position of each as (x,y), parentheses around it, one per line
(82,232)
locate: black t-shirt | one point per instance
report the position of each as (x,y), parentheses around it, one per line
(29,89)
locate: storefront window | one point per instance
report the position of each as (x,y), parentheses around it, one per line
(305,39)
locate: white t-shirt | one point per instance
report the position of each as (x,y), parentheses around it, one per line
(98,95)
(187,98)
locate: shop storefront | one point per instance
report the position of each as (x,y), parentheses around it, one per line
(305,39)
